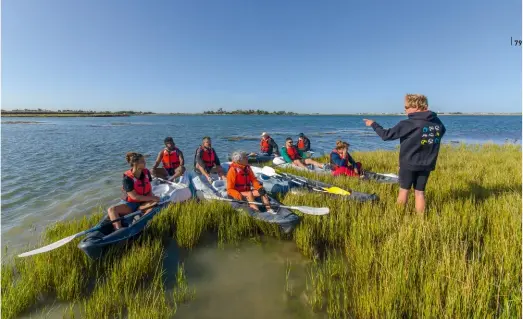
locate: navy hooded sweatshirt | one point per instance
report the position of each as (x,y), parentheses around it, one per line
(420,139)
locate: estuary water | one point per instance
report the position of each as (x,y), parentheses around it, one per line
(60,168)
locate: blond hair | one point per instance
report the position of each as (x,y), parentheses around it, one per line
(416,101)
(341,145)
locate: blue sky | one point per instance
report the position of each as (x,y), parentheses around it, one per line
(305,56)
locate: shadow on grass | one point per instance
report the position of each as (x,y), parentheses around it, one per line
(480,193)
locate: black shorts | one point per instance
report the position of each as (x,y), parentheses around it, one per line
(416,179)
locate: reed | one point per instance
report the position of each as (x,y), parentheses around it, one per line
(368,260)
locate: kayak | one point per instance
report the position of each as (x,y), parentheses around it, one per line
(314,185)
(96,243)
(263,157)
(286,219)
(273,185)
(367,175)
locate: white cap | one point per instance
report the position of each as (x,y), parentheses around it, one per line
(264,133)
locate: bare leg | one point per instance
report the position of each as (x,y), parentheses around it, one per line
(116,212)
(250,198)
(219,170)
(419,197)
(178,172)
(403,196)
(313,162)
(298,163)
(265,199)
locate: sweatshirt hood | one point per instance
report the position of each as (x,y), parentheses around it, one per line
(425,116)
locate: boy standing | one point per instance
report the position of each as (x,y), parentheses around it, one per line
(420,139)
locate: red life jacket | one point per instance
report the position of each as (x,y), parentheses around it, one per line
(345,160)
(293,153)
(301,143)
(171,159)
(141,187)
(208,157)
(264,145)
(243,181)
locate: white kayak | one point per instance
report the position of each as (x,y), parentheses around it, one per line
(283,217)
(178,191)
(388,178)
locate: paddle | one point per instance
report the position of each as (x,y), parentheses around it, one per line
(269,171)
(304,209)
(66,240)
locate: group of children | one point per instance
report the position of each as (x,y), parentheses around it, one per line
(420,137)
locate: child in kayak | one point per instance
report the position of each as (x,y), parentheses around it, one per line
(420,139)
(304,144)
(268,146)
(206,160)
(340,160)
(243,184)
(291,154)
(136,189)
(171,158)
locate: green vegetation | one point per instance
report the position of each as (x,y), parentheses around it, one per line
(221,111)
(68,113)
(368,260)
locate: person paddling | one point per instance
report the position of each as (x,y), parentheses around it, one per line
(136,189)
(171,158)
(291,154)
(304,144)
(206,161)
(268,146)
(243,184)
(340,160)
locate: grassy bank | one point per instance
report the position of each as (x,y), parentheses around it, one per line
(463,259)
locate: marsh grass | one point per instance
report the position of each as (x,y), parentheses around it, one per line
(368,260)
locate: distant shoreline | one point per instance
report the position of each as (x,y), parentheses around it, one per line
(133,113)
(62,115)
(362,114)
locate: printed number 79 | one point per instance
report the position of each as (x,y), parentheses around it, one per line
(516,42)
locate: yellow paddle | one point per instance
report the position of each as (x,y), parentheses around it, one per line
(269,171)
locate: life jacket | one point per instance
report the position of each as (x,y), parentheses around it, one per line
(171,159)
(141,187)
(334,165)
(243,181)
(301,143)
(264,145)
(208,157)
(293,153)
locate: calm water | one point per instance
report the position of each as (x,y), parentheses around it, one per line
(64,167)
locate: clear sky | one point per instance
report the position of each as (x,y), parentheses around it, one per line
(332,56)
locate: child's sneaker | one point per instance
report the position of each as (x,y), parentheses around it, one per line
(271,211)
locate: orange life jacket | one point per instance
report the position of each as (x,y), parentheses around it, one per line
(293,153)
(264,145)
(301,143)
(141,187)
(345,160)
(243,181)
(208,157)
(171,159)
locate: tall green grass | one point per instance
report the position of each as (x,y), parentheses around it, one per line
(368,260)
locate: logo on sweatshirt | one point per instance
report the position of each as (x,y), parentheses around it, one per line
(430,135)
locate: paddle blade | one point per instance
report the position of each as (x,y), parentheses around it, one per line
(49,247)
(337,191)
(312,210)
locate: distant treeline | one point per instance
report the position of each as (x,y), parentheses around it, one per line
(44,111)
(249,112)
